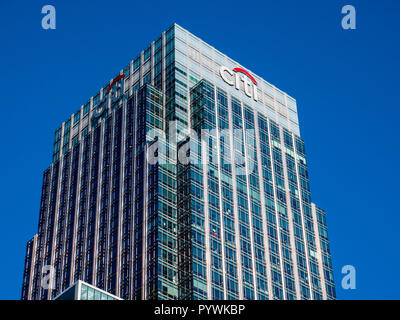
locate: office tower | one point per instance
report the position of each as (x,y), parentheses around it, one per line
(184,177)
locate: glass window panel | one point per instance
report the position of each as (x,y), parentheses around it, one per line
(90,295)
(84,292)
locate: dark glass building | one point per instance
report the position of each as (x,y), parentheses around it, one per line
(184,177)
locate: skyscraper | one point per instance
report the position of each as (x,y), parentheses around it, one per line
(184,177)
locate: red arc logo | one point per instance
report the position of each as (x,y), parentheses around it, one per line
(114,81)
(246,73)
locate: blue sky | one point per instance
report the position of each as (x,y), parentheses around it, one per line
(345,82)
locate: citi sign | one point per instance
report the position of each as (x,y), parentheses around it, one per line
(237,76)
(116,94)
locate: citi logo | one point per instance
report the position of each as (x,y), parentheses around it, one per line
(237,76)
(116,94)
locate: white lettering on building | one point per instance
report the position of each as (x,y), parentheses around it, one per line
(236,76)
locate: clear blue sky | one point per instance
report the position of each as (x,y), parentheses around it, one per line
(345,82)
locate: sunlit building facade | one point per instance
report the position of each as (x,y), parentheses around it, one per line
(184,177)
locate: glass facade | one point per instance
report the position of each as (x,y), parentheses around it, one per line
(83,291)
(171,183)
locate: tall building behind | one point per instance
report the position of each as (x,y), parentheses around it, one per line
(184,177)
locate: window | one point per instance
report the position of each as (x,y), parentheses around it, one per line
(147,54)
(86,108)
(136,63)
(77,117)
